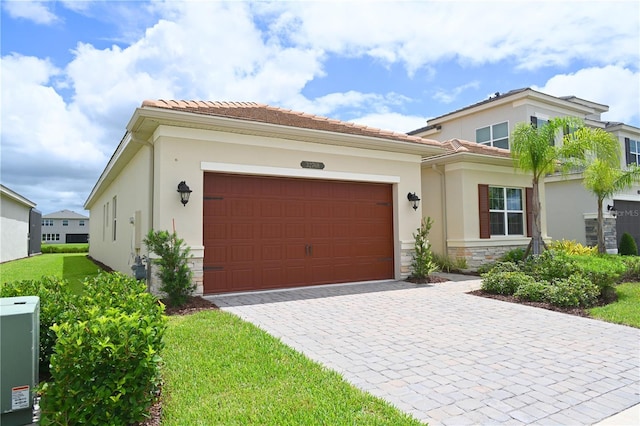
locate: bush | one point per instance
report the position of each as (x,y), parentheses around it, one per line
(628,246)
(632,271)
(175,274)
(575,291)
(105,366)
(572,247)
(550,265)
(56,303)
(533,291)
(447,264)
(64,248)
(422,264)
(604,271)
(515,255)
(105,369)
(499,282)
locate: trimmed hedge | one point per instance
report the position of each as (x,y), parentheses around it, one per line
(62,248)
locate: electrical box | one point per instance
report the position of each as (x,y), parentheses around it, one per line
(19,353)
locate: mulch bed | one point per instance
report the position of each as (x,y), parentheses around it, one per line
(571,311)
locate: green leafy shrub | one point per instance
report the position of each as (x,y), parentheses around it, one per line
(572,292)
(572,247)
(64,248)
(105,369)
(604,271)
(175,273)
(500,282)
(628,246)
(447,264)
(533,291)
(550,265)
(632,269)
(422,264)
(515,255)
(56,303)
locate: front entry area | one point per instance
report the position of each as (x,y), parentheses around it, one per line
(271,232)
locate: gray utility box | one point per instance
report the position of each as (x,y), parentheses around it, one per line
(19,352)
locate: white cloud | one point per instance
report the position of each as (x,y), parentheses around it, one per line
(613,85)
(392,121)
(449,96)
(35,11)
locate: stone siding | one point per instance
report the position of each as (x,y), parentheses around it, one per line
(476,256)
(610,236)
(196,265)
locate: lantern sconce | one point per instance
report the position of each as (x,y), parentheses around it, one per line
(611,209)
(185,192)
(412,197)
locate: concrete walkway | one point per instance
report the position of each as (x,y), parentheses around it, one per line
(451,358)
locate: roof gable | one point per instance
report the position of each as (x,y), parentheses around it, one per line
(64,214)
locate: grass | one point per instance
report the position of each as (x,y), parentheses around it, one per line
(73,267)
(626,310)
(222,370)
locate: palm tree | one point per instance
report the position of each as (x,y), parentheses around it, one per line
(533,150)
(598,152)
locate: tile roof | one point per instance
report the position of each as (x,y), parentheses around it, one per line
(458,145)
(253,111)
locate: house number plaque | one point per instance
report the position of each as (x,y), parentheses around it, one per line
(312,165)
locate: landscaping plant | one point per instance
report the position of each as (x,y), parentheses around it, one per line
(423,264)
(175,273)
(628,246)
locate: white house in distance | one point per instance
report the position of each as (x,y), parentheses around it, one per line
(283,198)
(65,227)
(19,224)
(571,209)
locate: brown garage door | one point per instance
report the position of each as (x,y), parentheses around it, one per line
(266,232)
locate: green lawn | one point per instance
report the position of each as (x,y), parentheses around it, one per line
(222,370)
(626,310)
(73,267)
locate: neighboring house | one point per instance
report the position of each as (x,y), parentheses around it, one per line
(65,227)
(19,223)
(571,209)
(281,198)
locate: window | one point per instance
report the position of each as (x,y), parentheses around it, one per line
(47,222)
(65,222)
(632,148)
(50,237)
(496,135)
(81,223)
(506,216)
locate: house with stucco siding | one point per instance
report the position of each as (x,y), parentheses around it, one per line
(571,211)
(19,226)
(281,198)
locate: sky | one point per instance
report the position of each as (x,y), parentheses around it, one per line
(73,72)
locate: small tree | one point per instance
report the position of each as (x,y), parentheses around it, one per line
(598,153)
(423,264)
(175,273)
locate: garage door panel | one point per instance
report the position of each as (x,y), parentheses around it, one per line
(264,232)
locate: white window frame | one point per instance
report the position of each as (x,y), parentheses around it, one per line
(492,140)
(505,211)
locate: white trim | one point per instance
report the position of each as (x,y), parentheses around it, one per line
(246,169)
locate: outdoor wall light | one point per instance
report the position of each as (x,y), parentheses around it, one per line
(412,197)
(612,209)
(185,192)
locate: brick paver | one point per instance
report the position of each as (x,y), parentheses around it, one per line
(448,357)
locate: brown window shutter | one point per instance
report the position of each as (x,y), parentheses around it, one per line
(483,207)
(627,150)
(529,210)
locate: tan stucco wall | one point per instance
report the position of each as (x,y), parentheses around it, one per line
(14,223)
(567,203)
(462,211)
(132,191)
(186,154)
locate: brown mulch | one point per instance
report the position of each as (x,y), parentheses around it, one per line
(431,279)
(194,304)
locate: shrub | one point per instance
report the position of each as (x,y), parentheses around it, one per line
(447,264)
(63,248)
(632,271)
(56,302)
(105,369)
(175,274)
(515,255)
(105,366)
(533,291)
(628,246)
(572,247)
(550,265)
(575,291)
(499,282)
(604,271)
(422,264)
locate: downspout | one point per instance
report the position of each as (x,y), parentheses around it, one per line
(444,208)
(151,198)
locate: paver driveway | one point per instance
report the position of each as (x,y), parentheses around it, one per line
(451,358)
